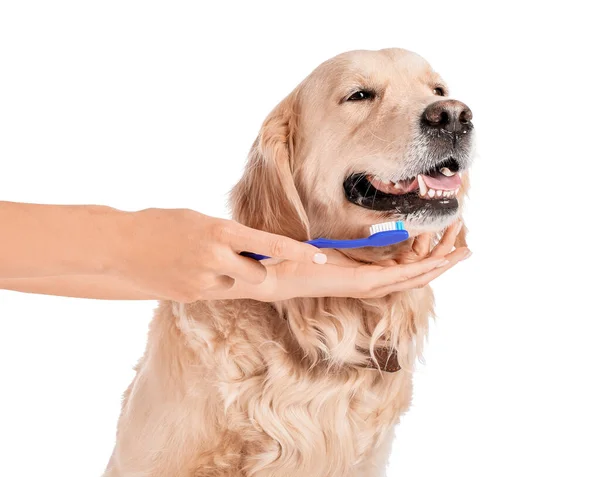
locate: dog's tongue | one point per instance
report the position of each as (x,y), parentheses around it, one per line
(439,181)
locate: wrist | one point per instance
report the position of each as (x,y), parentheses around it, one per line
(132,248)
(99,240)
(120,242)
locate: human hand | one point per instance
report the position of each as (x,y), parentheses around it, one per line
(183,255)
(343,277)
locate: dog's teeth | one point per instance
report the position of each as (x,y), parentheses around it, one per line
(422,186)
(447,172)
(431,193)
(397,185)
(439,193)
(456,190)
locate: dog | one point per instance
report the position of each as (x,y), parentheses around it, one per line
(309,386)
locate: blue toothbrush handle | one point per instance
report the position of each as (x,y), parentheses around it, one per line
(379,239)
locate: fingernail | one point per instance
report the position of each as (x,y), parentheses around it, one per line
(443,264)
(320,258)
(469,253)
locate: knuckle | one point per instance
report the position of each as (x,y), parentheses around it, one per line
(278,247)
(221,231)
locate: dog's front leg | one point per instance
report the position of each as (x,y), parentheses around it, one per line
(155,435)
(376,462)
(168,415)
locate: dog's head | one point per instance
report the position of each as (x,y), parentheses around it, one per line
(368,137)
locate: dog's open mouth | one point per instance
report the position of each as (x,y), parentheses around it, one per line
(433,190)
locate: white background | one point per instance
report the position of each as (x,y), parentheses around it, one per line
(136,104)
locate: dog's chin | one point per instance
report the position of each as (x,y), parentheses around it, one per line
(432,225)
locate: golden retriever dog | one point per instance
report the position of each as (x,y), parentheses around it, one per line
(309,387)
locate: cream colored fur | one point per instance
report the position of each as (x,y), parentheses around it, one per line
(242,388)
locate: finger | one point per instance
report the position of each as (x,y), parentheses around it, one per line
(416,282)
(422,245)
(398,273)
(334,257)
(401,273)
(244,269)
(222,282)
(246,239)
(422,280)
(446,243)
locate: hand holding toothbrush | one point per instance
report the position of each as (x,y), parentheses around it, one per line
(182,255)
(343,277)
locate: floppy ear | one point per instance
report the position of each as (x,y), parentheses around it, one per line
(266,197)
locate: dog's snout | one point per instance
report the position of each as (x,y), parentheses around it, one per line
(449,114)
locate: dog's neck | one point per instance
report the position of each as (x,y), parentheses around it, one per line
(383,359)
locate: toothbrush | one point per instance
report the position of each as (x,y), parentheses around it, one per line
(388,233)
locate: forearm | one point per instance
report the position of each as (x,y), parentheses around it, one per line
(99,287)
(49,240)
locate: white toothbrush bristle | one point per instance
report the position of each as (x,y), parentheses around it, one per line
(397,225)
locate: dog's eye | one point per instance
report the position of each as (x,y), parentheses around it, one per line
(361,95)
(439,91)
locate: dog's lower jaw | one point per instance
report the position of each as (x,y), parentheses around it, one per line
(225,389)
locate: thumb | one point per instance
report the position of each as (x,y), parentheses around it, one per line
(276,246)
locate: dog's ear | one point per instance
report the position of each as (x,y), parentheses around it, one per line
(266,197)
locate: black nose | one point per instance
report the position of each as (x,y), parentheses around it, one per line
(449,114)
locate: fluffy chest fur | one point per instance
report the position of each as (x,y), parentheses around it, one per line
(227,389)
